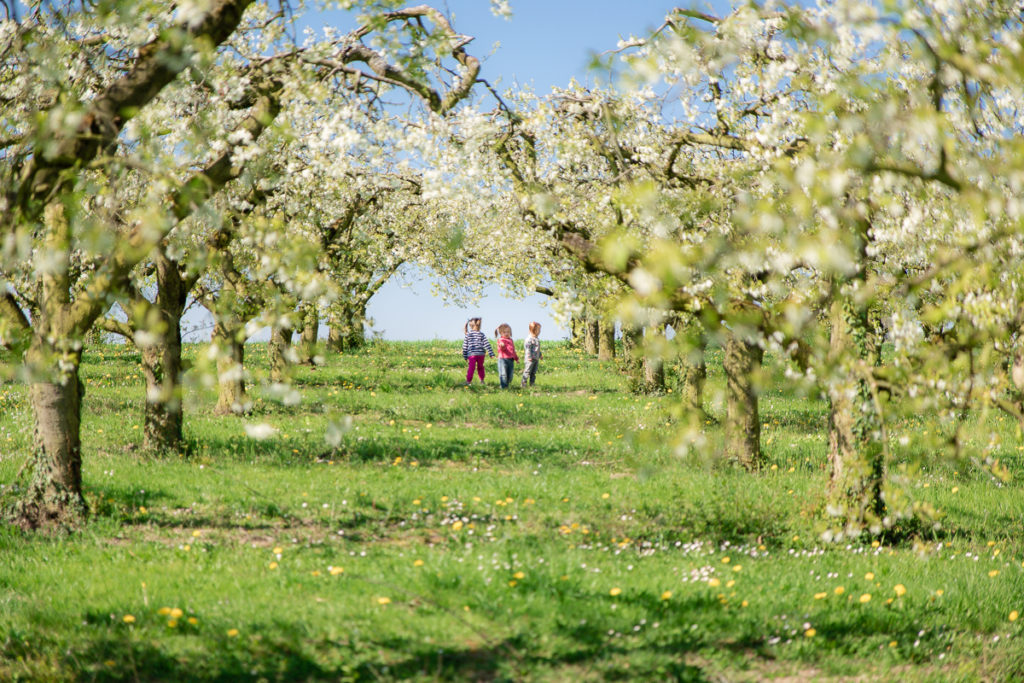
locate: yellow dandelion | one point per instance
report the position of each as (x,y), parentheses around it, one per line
(955,489)
(666,595)
(164,611)
(744,603)
(870,576)
(193,621)
(197,533)
(714,583)
(128,619)
(810,633)
(315,572)
(725,560)
(232,632)
(839,590)
(457,525)
(899,589)
(994,573)
(606,495)
(335,570)
(278,550)
(939,592)
(737,567)
(820,596)
(893,643)
(172,623)
(142,509)
(272,566)
(417,563)
(1014,615)
(416,501)
(866,597)
(383,600)
(512,583)
(730,583)
(615,591)
(176,613)
(519,575)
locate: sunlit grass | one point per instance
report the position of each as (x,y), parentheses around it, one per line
(478,534)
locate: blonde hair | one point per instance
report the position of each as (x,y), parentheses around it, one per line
(503,330)
(534,328)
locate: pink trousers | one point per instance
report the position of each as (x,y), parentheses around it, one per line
(475,362)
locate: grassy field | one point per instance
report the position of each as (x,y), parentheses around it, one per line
(476,534)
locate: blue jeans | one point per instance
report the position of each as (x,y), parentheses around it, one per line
(506,366)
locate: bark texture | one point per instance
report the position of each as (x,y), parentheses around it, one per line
(606,340)
(591,331)
(742,362)
(231,396)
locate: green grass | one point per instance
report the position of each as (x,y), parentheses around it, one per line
(545,534)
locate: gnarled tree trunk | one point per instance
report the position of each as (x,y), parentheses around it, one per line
(278,351)
(310,330)
(231,398)
(606,340)
(742,362)
(590,335)
(653,363)
(693,371)
(162,365)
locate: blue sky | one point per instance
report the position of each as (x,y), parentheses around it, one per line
(546,43)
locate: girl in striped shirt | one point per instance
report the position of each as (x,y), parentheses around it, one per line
(474,347)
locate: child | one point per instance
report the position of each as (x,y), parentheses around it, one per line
(507,355)
(531,351)
(473,349)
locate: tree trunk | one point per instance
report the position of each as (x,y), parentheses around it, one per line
(606,340)
(653,365)
(693,371)
(575,333)
(162,365)
(310,332)
(277,350)
(632,341)
(231,396)
(54,496)
(855,452)
(347,328)
(742,362)
(591,332)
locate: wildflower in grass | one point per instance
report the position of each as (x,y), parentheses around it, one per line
(939,592)
(278,550)
(417,563)
(730,583)
(820,596)
(725,560)
(512,583)
(955,489)
(164,611)
(193,621)
(315,572)
(893,643)
(810,633)
(334,571)
(606,495)
(1014,615)
(272,566)
(383,600)
(866,597)
(457,525)
(232,632)
(128,619)
(744,603)
(870,576)
(714,583)
(176,613)
(142,509)
(899,589)
(666,595)
(839,590)
(172,623)
(417,501)
(519,575)
(615,591)
(737,567)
